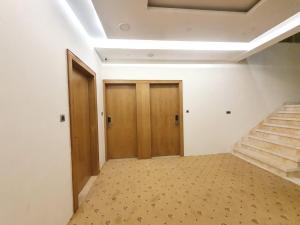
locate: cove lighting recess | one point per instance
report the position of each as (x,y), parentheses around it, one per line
(282,28)
(172,45)
(74,19)
(168,65)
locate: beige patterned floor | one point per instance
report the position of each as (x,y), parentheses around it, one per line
(205,190)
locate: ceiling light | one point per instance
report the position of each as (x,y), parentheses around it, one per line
(172,45)
(73,18)
(276,31)
(177,65)
(124,26)
(189,29)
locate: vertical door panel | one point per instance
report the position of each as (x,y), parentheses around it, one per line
(165,112)
(143,120)
(121,110)
(81,126)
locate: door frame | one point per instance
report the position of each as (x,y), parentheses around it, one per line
(180,89)
(73,61)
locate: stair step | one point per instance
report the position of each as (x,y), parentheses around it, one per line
(275,142)
(265,160)
(278,134)
(292,105)
(264,166)
(287,112)
(281,126)
(285,156)
(285,121)
(283,118)
(292,152)
(290,108)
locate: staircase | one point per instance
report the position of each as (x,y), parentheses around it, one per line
(274,144)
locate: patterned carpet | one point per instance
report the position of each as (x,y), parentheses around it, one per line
(205,190)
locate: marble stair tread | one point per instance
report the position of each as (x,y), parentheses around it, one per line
(274,142)
(290,108)
(285,119)
(281,126)
(295,110)
(266,160)
(291,105)
(259,164)
(277,134)
(287,112)
(278,154)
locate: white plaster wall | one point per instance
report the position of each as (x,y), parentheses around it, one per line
(35,164)
(251,90)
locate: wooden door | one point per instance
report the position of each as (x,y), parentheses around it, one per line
(81,116)
(121,124)
(165,119)
(84,124)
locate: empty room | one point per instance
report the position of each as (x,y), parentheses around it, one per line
(150,112)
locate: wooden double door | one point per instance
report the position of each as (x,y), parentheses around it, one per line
(143,119)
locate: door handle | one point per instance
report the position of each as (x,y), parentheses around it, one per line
(177,119)
(109,121)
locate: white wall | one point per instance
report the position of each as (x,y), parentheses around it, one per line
(35,164)
(251,90)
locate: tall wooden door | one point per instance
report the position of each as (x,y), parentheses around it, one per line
(121,124)
(80,102)
(165,119)
(84,124)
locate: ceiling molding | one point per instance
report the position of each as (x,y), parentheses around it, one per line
(236,6)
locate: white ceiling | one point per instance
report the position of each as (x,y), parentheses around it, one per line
(191,25)
(203,23)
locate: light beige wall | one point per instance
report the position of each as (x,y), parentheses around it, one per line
(250,90)
(35,165)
